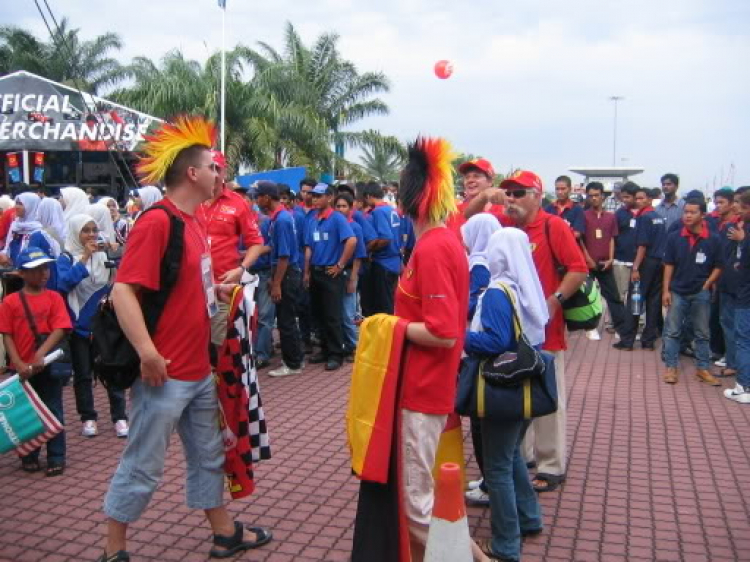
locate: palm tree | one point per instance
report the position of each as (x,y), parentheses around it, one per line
(262,131)
(20,50)
(382,157)
(321,79)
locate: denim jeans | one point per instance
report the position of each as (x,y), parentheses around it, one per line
(350,312)
(190,407)
(50,390)
(742,331)
(697,308)
(266,315)
(514,505)
(728,303)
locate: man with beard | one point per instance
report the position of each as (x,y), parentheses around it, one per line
(670,208)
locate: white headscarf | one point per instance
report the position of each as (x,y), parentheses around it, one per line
(6,202)
(99,275)
(511,264)
(29,224)
(103,220)
(149,195)
(76,201)
(476,234)
(51,216)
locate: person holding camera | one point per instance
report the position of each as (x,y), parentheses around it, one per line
(83,277)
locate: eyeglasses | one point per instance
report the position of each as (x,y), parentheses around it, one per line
(90,230)
(516,193)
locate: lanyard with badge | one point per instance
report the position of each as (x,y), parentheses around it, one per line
(207,272)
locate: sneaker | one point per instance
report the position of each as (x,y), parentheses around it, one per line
(121,428)
(89,429)
(721,362)
(474,484)
(739,394)
(593,335)
(284,371)
(477,497)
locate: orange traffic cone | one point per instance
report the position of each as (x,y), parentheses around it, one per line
(448,539)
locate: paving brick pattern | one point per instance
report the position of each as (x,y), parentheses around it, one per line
(656,473)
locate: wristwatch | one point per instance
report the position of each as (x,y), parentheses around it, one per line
(559,296)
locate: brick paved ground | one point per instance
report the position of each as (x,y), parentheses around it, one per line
(656,473)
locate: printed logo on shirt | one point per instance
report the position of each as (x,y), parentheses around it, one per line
(228,210)
(657,221)
(409,273)
(395,222)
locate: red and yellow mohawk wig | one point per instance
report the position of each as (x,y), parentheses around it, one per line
(426,188)
(168,141)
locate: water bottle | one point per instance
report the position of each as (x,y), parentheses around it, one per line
(636,300)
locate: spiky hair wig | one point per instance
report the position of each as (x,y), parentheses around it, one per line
(166,144)
(426,189)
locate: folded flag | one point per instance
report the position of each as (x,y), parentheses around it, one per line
(25,422)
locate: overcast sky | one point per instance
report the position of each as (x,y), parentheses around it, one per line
(532,77)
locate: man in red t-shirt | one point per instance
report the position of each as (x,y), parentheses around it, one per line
(176,390)
(477,175)
(552,244)
(229,221)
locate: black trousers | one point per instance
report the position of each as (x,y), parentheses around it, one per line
(651,285)
(378,290)
(83,382)
(327,300)
(610,293)
(286,318)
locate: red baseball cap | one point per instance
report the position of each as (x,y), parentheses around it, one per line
(219,159)
(524,178)
(480,164)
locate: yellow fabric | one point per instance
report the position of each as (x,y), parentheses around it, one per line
(370,367)
(527,399)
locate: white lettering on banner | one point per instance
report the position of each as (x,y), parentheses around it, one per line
(5,130)
(24,105)
(18,130)
(88,133)
(53,103)
(7,102)
(34,132)
(34,102)
(5,424)
(48,130)
(69,132)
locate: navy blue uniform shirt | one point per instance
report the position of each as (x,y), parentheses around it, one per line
(650,232)
(625,246)
(742,265)
(571,214)
(729,281)
(693,257)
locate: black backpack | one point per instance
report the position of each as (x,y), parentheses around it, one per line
(114,360)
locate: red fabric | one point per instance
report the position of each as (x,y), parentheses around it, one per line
(434,289)
(643,211)
(456,221)
(606,223)
(561,208)
(227,220)
(693,238)
(567,253)
(323,215)
(5,221)
(183,332)
(49,312)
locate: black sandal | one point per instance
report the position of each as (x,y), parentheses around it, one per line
(552,482)
(229,546)
(55,469)
(30,465)
(119,556)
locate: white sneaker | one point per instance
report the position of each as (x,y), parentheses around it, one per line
(121,429)
(721,362)
(738,394)
(284,371)
(474,484)
(89,429)
(593,335)
(477,497)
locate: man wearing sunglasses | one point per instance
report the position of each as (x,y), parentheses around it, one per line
(553,247)
(229,220)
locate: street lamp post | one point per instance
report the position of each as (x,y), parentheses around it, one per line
(614,135)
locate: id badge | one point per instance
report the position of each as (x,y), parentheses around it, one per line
(207,277)
(632,223)
(700,257)
(316,236)
(598,233)
(325,236)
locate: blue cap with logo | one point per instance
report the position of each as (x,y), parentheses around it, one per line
(32,257)
(322,189)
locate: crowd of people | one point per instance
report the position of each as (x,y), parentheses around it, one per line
(328,256)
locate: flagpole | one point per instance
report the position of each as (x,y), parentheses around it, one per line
(223,71)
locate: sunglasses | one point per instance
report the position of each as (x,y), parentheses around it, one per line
(516,193)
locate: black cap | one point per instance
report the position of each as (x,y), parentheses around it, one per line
(265,187)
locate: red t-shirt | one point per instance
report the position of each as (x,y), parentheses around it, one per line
(183,332)
(5,221)
(455,222)
(227,220)
(566,253)
(434,289)
(49,312)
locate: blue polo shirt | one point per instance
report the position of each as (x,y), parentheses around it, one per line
(729,282)
(283,237)
(571,214)
(387,225)
(742,264)
(368,234)
(625,246)
(325,236)
(408,238)
(650,232)
(264,261)
(693,257)
(360,250)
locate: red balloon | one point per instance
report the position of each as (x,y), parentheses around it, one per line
(443,69)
